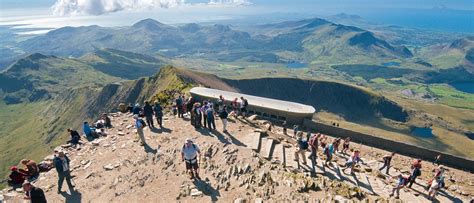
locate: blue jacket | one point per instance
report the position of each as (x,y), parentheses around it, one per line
(87,129)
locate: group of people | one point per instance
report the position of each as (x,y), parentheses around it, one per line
(96,130)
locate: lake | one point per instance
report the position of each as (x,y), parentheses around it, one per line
(422,132)
(296,65)
(392,63)
(467,87)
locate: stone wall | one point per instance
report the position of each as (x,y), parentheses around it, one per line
(390,145)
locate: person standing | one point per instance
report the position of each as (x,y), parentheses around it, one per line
(204,113)
(386,162)
(148,111)
(223,116)
(302,146)
(34,194)
(313,145)
(179,106)
(416,171)
(220,103)
(243,106)
(210,118)
(139,125)
(189,154)
(61,163)
(345,146)
(437,159)
(158,114)
(328,150)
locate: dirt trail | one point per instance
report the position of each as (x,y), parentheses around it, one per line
(248,163)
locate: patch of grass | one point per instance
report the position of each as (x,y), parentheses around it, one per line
(451,97)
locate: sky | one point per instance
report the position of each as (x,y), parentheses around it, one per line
(58,13)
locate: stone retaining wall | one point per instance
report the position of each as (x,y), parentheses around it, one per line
(390,145)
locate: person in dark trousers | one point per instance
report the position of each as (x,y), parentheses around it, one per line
(34,194)
(75,137)
(211,123)
(179,106)
(108,122)
(158,114)
(313,145)
(436,161)
(130,108)
(416,171)
(203,112)
(386,162)
(148,111)
(61,163)
(223,116)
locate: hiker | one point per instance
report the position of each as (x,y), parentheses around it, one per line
(61,163)
(328,151)
(386,162)
(243,106)
(31,169)
(220,103)
(235,107)
(352,161)
(197,115)
(336,144)
(174,109)
(34,194)
(189,105)
(16,178)
(136,109)
(108,122)
(89,132)
(402,182)
(203,110)
(139,125)
(148,111)
(158,114)
(284,128)
(210,118)
(75,137)
(313,145)
(345,146)
(179,106)
(416,171)
(438,172)
(436,161)
(189,154)
(435,185)
(302,146)
(223,116)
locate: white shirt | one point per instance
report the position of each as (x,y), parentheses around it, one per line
(190,152)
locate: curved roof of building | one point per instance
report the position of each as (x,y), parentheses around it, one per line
(276,104)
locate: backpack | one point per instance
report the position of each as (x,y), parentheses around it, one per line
(313,141)
(304,144)
(142,122)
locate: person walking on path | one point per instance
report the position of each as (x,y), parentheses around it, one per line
(139,125)
(313,145)
(243,106)
(189,154)
(158,114)
(352,161)
(302,146)
(328,151)
(345,146)
(203,109)
(387,159)
(223,116)
(416,171)
(402,181)
(148,111)
(437,159)
(179,106)
(61,163)
(34,194)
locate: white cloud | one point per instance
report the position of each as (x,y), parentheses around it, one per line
(99,7)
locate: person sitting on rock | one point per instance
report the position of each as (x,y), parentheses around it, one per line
(89,132)
(31,169)
(34,194)
(108,122)
(189,154)
(75,137)
(302,146)
(352,161)
(402,182)
(16,178)
(61,163)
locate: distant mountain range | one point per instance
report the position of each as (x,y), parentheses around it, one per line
(314,39)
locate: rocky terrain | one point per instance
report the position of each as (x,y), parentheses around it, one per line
(253,162)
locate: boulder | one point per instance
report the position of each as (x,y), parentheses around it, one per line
(252,117)
(195,192)
(108,167)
